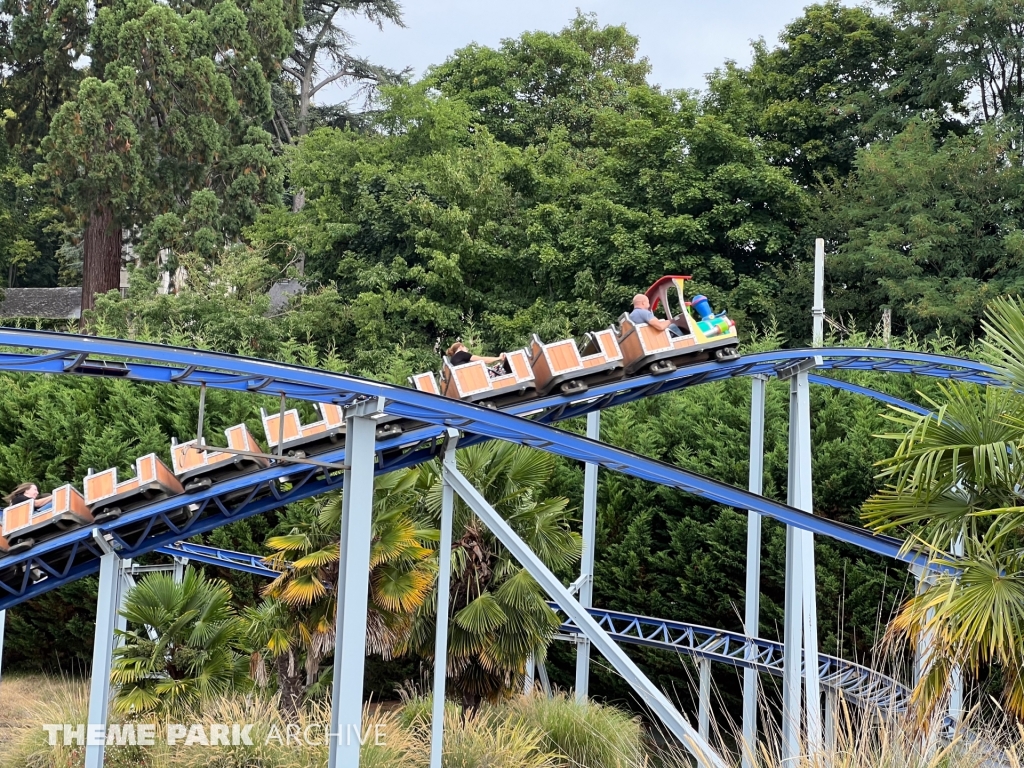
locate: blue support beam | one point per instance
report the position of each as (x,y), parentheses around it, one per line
(225,558)
(874,394)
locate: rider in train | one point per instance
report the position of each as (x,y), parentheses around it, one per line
(23,493)
(642,314)
(458,355)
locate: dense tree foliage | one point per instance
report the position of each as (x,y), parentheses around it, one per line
(532,187)
(933,228)
(433,224)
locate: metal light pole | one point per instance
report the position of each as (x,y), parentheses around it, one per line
(801,619)
(818,310)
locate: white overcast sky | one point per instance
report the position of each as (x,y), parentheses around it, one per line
(683,39)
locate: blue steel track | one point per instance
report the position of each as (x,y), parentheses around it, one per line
(860,685)
(75,554)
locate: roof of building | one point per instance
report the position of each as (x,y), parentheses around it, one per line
(66,303)
(45,303)
(282,292)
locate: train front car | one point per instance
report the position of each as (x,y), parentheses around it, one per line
(645,348)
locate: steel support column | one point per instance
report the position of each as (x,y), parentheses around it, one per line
(752,596)
(792,640)
(704,700)
(956,677)
(800,629)
(550,583)
(123,587)
(353,586)
(545,681)
(800,407)
(587,560)
(102,655)
(831,713)
(180,564)
(3,621)
(444,570)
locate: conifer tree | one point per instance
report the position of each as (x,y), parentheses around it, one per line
(173,106)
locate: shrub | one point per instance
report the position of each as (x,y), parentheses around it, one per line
(590,734)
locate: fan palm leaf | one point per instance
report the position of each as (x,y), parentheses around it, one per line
(958,475)
(195,654)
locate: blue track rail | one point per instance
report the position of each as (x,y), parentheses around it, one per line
(225,558)
(75,554)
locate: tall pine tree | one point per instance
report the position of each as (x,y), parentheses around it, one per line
(174,105)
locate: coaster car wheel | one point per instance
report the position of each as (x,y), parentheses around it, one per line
(661,366)
(199,484)
(107,514)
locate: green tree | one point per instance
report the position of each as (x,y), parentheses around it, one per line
(446,221)
(172,110)
(499,617)
(933,229)
(294,625)
(322,54)
(42,45)
(541,80)
(957,476)
(825,91)
(194,655)
(972,47)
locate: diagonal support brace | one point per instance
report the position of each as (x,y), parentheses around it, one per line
(654,698)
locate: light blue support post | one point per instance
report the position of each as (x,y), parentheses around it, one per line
(444,570)
(353,585)
(752,598)
(704,702)
(800,408)
(530,679)
(830,720)
(587,560)
(545,681)
(102,651)
(800,633)
(3,621)
(123,587)
(956,677)
(792,640)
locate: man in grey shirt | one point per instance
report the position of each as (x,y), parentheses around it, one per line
(642,314)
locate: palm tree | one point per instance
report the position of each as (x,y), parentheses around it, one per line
(499,616)
(957,477)
(294,625)
(194,656)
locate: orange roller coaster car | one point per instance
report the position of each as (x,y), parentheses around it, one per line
(108,499)
(23,523)
(625,350)
(560,364)
(643,347)
(198,467)
(299,438)
(474,383)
